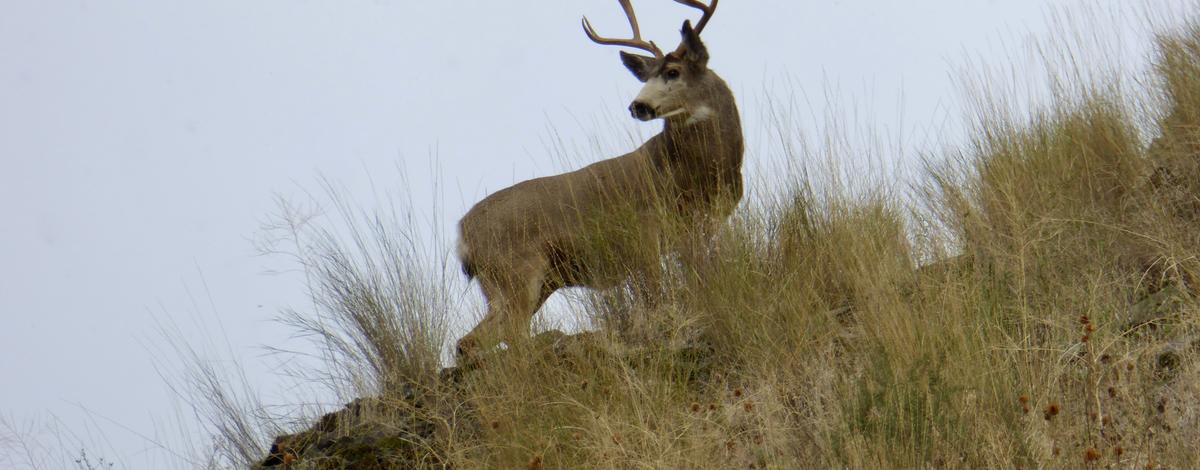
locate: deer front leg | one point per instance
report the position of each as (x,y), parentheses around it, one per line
(697,246)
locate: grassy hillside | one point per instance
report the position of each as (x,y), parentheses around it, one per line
(1033,302)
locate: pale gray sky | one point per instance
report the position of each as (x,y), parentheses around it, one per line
(143,142)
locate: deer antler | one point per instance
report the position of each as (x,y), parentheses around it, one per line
(707,9)
(634,42)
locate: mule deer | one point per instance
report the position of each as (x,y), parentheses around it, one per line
(610,221)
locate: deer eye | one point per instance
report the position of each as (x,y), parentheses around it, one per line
(672,74)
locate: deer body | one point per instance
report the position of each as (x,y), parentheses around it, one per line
(611,220)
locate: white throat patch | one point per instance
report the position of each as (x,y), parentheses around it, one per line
(703,113)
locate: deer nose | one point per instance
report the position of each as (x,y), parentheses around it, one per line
(641,111)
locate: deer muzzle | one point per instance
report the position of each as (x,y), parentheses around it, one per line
(642,111)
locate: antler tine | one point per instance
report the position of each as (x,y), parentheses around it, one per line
(634,42)
(707,9)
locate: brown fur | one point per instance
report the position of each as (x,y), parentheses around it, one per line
(609,221)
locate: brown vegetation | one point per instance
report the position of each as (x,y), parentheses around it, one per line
(1039,309)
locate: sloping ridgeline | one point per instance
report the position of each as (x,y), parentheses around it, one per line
(1040,309)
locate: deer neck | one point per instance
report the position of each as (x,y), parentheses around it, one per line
(710,134)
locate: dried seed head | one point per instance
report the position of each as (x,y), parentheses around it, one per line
(1023,399)
(737,392)
(495,425)
(1091,455)
(695,407)
(535,463)
(748,406)
(1050,411)
(1112,392)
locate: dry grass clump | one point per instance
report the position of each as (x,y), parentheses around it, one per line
(1034,305)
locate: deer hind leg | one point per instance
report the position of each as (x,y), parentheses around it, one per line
(512,299)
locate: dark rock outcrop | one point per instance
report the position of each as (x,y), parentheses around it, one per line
(405,428)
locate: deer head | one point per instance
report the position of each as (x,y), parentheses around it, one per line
(678,84)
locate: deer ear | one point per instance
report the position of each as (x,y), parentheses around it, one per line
(641,66)
(693,48)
